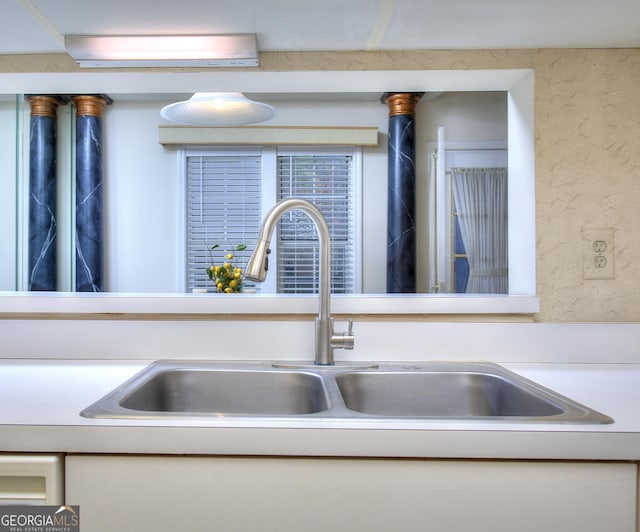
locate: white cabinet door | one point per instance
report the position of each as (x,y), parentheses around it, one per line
(134,493)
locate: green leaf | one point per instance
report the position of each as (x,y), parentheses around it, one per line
(215,246)
(241,247)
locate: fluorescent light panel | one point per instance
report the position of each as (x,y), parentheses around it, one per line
(101,51)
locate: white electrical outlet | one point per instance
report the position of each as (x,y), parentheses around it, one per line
(597,254)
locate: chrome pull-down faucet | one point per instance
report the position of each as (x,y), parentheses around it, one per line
(326,339)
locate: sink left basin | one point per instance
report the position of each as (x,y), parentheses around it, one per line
(167,389)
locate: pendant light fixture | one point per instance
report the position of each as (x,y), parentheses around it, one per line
(217,109)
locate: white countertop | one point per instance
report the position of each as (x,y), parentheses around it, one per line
(40,401)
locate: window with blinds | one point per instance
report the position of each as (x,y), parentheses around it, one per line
(326,180)
(225,192)
(223,207)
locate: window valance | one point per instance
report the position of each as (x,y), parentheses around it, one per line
(269,135)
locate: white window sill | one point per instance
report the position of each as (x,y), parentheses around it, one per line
(39,303)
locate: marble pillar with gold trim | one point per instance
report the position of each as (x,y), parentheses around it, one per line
(401,189)
(42,275)
(89,197)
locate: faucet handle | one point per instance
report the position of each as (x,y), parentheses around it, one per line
(344,340)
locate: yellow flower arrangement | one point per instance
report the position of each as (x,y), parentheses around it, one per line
(226,276)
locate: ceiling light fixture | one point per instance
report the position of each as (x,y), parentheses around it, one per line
(217,109)
(109,51)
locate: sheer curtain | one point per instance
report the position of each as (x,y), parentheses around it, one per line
(480,195)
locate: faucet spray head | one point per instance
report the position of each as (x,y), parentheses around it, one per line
(256,269)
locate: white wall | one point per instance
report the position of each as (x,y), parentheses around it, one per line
(7,193)
(141,201)
(468,116)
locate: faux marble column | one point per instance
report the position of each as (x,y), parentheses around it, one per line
(401,226)
(42,193)
(89,204)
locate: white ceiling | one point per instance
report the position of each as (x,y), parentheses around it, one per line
(38,26)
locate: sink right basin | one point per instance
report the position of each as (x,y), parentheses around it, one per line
(473,391)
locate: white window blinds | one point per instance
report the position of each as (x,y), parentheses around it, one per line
(228,194)
(223,207)
(326,180)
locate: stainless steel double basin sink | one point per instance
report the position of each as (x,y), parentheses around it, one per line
(438,391)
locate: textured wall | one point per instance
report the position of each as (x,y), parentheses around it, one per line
(587,158)
(587,176)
